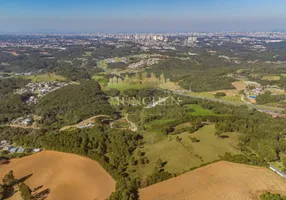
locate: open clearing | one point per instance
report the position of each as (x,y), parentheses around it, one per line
(14,53)
(218,181)
(45,77)
(181,156)
(68,176)
(232,95)
(271,78)
(100,78)
(84,122)
(239,85)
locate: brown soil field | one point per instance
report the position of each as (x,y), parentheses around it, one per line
(217,181)
(67,176)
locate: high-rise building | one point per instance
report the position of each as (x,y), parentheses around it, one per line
(192,39)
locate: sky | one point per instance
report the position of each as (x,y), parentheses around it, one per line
(141,15)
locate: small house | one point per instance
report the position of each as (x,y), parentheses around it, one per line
(14,149)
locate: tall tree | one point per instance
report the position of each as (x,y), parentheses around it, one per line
(26,192)
(9,178)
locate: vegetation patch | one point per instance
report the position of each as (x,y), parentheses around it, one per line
(200,111)
(45,77)
(271,78)
(181,153)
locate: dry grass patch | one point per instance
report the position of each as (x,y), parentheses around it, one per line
(271,78)
(218,181)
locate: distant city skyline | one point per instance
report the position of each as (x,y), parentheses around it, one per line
(141,16)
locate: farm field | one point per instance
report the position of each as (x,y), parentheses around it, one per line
(218,181)
(45,77)
(181,156)
(66,176)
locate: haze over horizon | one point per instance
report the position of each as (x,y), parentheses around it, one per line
(143,16)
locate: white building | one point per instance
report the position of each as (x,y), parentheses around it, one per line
(192,39)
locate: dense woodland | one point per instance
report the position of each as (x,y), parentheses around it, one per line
(12,105)
(73,103)
(186,72)
(267,97)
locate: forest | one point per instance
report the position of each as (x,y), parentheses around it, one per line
(12,105)
(186,72)
(73,103)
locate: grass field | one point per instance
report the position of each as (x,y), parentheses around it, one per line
(103,64)
(200,111)
(121,124)
(217,181)
(236,98)
(67,176)
(87,53)
(271,78)
(159,122)
(278,165)
(181,156)
(126,86)
(45,77)
(100,79)
(231,95)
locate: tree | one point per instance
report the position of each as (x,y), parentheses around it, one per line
(218,134)
(139,153)
(1,191)
(194,139)
(26,192)
(220,94)
(159,163)
(269,196)
(132,161)
(9,179)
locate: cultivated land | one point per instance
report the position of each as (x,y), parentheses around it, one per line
(181,156)
(218,181)
(67,176)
